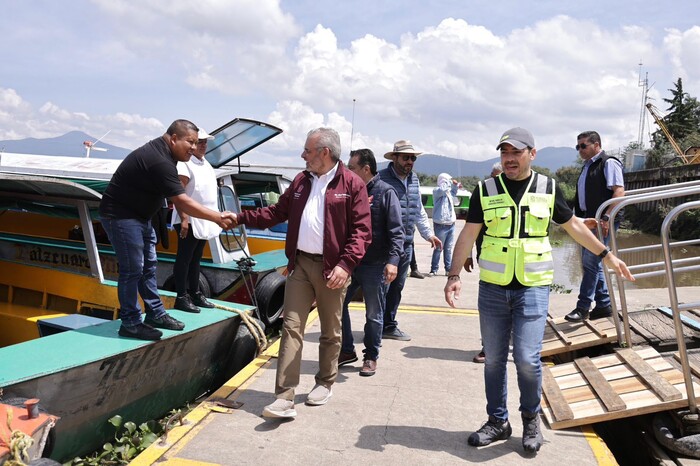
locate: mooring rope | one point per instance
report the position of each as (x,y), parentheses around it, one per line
(253,326)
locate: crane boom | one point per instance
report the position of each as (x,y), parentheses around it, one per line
(665,130)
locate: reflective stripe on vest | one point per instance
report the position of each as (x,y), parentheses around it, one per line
(516,241)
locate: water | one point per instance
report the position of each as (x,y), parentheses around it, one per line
(567,260)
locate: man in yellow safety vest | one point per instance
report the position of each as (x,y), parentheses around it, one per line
(516,270)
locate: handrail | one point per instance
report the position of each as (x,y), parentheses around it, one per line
(673,295)
(662,187)
(634,197)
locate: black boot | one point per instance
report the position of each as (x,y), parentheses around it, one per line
(200,300)
(577,315)
(184,303)
(532,434)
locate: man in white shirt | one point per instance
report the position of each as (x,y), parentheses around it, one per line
(199,180)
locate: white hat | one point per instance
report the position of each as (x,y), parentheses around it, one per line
(402,147)
(203,135)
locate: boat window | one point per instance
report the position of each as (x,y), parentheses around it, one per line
(234,239)
(236,138)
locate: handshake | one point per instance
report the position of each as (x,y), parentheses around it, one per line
(228,220)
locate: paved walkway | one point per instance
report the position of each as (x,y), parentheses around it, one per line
(420,407)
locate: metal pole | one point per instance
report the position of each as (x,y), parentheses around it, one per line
(352,124)
(673,295)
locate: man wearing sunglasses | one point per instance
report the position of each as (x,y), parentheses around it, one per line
(601,179)
(399,174)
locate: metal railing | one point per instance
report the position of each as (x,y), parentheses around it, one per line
(673,295)
(669,267)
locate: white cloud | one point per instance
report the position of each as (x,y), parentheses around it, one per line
(50,120)
(452,87)
(684,50)
(225,46)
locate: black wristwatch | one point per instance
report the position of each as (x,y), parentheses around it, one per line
(605,218)
(604,253)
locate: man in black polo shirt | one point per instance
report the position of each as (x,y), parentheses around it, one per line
(134,194)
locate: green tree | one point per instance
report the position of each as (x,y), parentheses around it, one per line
(682,122)
(682,118)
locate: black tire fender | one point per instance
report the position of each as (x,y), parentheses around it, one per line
(245,348)
(269,293)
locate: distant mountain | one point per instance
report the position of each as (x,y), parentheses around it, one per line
(552,158)
(70,144)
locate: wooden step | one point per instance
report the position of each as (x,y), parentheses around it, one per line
(626,383)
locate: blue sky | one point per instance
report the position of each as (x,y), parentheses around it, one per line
(450,76)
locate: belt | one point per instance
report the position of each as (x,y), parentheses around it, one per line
(316,257)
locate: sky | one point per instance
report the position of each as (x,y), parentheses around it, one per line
(449,75)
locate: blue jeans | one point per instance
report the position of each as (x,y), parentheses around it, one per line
(134,243)
(371,279)
(446,234)
(393,295)
(593,286)
(522,314)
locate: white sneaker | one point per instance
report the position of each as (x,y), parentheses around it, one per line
(319,396)
(432,274)
(280,409)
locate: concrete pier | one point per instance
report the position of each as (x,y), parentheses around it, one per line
(425,399)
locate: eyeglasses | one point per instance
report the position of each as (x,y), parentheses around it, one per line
(583,145)
(308,151)
(406,158)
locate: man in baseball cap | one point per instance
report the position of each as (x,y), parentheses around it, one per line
(515,272)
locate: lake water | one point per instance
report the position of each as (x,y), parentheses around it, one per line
(567,260)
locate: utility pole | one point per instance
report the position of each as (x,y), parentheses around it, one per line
(644,84)
(352,123)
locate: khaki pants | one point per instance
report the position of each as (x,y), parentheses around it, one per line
(304,285)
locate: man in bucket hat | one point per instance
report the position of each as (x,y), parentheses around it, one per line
(515,272)
(399,174)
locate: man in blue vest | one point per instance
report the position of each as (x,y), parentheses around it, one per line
(399,175)
(515,271)
(601,179)
(378,267)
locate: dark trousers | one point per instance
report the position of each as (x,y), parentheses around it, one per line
(186,269)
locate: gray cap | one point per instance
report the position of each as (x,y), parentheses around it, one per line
(520,138)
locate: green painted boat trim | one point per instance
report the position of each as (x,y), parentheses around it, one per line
(264,262)
(73,348)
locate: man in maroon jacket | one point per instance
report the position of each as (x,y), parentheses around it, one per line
(329,229)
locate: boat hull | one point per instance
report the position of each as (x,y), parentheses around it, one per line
(137,380)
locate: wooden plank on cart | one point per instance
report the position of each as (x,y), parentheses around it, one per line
(600,385)
(639,377)
(658,384)
(594,328)
(561,336)
(560,408)
(558,332)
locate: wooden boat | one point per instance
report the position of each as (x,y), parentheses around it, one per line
(228,270)
(58,339)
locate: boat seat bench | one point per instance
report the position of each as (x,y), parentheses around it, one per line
(18,322)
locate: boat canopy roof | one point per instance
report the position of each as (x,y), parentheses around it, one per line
(48,195)
(237,137)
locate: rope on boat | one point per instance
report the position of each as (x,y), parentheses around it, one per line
(253,326)
(19,444)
